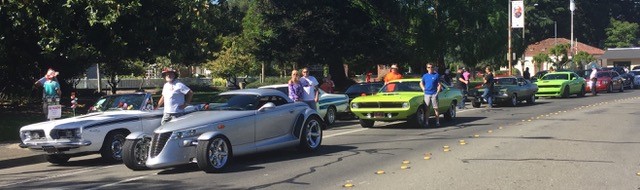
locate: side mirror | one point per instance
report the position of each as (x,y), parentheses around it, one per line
(267,106)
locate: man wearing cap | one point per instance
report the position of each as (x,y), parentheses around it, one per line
(175,96)
(392,75)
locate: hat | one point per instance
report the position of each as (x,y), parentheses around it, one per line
(394,66)
(169,70)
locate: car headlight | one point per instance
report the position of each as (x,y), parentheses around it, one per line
(405,105)
(26,135)
(354,105)
(183,134)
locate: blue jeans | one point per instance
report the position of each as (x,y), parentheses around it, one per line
(464,99)
(488,96)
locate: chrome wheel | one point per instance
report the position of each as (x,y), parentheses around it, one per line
(135,153)
(116,148)
(218,153)
(140,151)
(514,100)
(111,150)
(314,134)
(330,117)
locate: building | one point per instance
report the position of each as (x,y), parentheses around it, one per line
(623,57)
(545,46)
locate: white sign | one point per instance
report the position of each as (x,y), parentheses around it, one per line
(54,112)
(517,14)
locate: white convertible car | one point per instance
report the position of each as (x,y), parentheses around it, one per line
(102,131)
(329,105)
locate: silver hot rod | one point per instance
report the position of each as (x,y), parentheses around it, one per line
(235,123)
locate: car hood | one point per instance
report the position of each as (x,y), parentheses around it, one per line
(92,119)
(389,97)
(199,119)
(550,82)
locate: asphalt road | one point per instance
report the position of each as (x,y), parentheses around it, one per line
(575,143)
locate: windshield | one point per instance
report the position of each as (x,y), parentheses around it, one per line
(506,81)
(119,102)
(238,102)
(413,86)
(367,88)
(556,77)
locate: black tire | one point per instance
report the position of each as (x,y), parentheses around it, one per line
(609,88)
(582,92)
(311,137)
(451,113)
(621,88)
(475,104)
(214,155)
(365,123)
(514,100)
(531,100)
(330,117)
(419,119)
(111,150)
(565,92)
(135,153)
(58,159)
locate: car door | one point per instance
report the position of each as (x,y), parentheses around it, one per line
(575,83)
(276,121)
(444,98)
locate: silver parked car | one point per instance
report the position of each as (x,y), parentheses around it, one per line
(235,123)
(103,131)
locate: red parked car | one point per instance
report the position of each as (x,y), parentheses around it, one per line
(608,80)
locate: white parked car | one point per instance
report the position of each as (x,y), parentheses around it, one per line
(329,105)
(103,131)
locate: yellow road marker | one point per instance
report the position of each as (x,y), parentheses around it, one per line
(476,136)
(490,131)
(500,128)
(446,150)
(529,120)
(427,157)
(462,142)
(348,185)
(406,162)
(404,167)
(380,172)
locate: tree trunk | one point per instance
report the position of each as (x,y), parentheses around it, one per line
(336,70)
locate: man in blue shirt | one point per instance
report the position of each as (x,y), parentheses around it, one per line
(431,86)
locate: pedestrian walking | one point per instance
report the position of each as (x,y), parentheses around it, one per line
(594,80)
(461,83)
(175,96)
(310,87)
(488,87)
(295,88)
(51,90)
(526,74)
(392,75)
(431,86)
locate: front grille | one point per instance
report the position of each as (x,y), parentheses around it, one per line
(63,133)
(158,142)
(548,86)
(380,105)
(390,105)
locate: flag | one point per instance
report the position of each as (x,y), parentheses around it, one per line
(517,14)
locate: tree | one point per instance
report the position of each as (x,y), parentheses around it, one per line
(560,54)
(539,59)
(232,61)
(582,58)
(621,34)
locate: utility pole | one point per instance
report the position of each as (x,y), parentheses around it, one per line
(509,40)
(572,7)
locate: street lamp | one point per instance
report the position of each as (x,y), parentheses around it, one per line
(572,7)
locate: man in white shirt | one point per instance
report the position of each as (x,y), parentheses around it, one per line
(309,84)
(594,79)
(175,96)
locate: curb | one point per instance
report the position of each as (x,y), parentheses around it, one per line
(35,159)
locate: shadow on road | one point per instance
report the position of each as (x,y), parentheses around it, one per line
(248,162)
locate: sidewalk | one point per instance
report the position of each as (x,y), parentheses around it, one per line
(11,155)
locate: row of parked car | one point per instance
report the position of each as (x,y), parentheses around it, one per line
(246,121)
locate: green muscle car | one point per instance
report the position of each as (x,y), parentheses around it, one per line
(560,84)
(508,90)
(403,101)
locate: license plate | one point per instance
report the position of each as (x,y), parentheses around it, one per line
(378,115)
(50,149)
